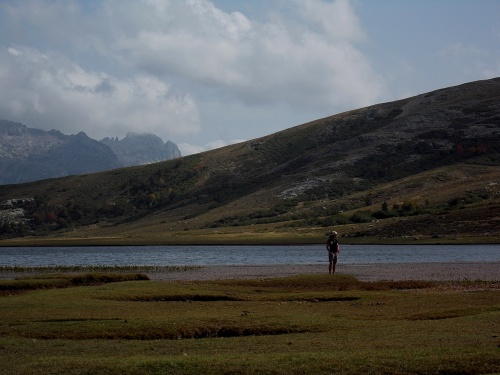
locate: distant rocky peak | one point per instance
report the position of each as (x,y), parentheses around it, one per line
(108,140)
(132,135)
(29,154)
(142,148)
(57,134)
(12,128)
(139,140)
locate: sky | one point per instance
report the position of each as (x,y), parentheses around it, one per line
(205,74)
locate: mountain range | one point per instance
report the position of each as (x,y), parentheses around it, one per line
(28,154)
(422,168)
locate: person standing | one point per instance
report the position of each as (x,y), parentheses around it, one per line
(332,245)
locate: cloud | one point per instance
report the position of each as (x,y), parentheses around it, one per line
(337,20)
(128,65)
(254,62)
(49,89)
(188,149)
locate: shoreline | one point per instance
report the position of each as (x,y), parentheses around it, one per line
(489,271)
(423,271)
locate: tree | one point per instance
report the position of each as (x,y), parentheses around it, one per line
(385,206)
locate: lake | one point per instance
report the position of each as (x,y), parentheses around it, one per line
(241,255)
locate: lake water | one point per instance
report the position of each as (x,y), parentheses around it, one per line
(241,255)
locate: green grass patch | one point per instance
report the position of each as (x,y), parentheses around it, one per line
(23,284)
(308,324)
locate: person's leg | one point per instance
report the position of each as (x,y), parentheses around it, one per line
(330,268)
(333,265)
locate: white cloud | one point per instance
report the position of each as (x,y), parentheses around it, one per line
(128,65)
(14,51)
(48,89)
(188,149)
(337,19)
(258,63)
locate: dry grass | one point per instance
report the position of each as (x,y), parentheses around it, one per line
(189,224)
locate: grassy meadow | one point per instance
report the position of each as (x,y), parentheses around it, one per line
(102,323)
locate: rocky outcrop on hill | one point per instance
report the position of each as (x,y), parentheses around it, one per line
(28,154)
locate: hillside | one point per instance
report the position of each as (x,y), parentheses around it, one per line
(425,167)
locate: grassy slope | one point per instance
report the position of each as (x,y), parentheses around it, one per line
(475,222)
(403,152)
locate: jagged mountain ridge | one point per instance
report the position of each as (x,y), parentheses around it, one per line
(28,154)
(432,150)
(139,149)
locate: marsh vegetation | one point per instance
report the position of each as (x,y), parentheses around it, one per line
(307,324)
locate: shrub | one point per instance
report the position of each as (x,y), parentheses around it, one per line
(383,214)
(360,217)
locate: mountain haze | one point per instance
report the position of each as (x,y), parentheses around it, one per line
(139,149)
(28,154)
(423,167)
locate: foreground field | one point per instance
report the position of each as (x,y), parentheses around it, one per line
(306,324)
